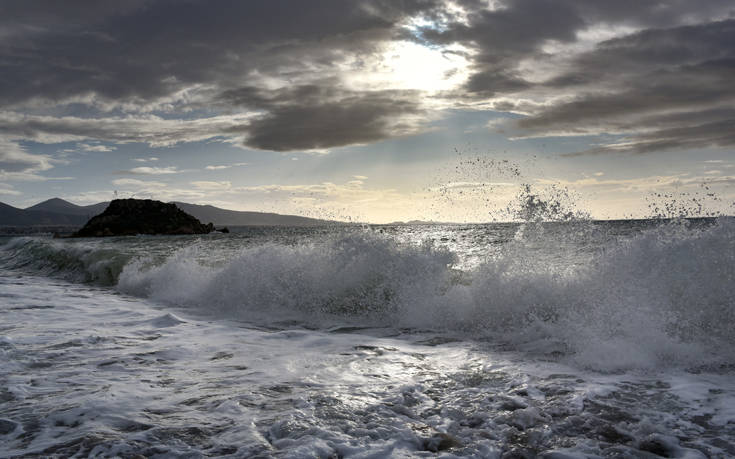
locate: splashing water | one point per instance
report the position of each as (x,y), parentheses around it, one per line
(696,204)
(656,297)
(557,336)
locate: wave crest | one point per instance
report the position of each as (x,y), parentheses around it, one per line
(78,263)
(664,296)
(349,275)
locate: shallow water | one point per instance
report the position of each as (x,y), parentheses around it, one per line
(565,340)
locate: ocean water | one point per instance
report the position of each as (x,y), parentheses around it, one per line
(559,340)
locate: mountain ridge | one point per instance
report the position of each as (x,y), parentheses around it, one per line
(59,212)
(60,206)
(225,217)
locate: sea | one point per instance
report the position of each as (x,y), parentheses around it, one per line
(559,340)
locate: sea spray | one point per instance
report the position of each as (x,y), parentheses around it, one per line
(604,295)
(663,297)
(94,372)
(357,274)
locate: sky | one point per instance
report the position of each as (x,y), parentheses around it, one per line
(372,111)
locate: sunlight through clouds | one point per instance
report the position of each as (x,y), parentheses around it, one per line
(310,93)
(412,66)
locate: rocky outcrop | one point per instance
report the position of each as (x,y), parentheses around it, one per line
(128,217)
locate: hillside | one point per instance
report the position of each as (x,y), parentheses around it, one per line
(224,217)
(12,216)
(58,212)
(59,206)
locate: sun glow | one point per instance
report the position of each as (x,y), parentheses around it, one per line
(418,67)
(409,65)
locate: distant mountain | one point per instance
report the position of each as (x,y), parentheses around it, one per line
(224,217)
(12,216)
(58,212)
(413,222)
(59,206)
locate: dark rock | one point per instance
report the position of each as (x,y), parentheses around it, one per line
(225,230)
(128,217)
(657,446)
(440,442)
(611,434)
(519,453)
(512,404)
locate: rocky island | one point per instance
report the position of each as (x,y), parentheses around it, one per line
(128,217)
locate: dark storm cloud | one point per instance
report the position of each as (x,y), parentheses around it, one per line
(491,82)
(153,130)
(152,56)
(307,117)
(140,54)
(320,116)
(715,134)
(628,85)
(152,49)
(517,29)
(502,37)
(357,119)
(690,88)
(665,81)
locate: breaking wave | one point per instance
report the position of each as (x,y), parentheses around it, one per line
(76,263)
(665,297)
(661,298)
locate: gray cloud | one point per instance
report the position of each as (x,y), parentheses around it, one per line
(680,61)
(320,116)
(715,134)
(151,49)
(363,120)
(15,160)
(140,56)
(689,89)
(272,69)
(300,118)
(518,29)
(153,130)
(672,88)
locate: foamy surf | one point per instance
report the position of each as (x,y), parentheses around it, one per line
(655,300)
(572,340)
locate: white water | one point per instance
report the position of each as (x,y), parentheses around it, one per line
(662,298)
(572,340)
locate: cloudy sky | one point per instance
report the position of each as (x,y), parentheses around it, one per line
(369,110)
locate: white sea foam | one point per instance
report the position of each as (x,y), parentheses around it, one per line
(493,361)
(664,297)
(656,298)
